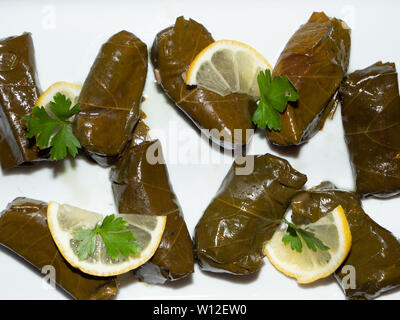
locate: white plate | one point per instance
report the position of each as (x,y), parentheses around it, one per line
(67,36)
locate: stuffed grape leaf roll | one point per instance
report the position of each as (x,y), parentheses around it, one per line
(172,52)
(24,230)
(7,159)
(19,91)
(371,121)
(375,252)
(315,59)
(244,214)
(111,96)
(141,185)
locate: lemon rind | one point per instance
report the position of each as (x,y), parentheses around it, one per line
(55,87)
(206,54)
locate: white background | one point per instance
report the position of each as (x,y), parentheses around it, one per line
(67,36)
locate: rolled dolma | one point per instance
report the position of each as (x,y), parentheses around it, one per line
(7,159)
(371,121)
(24,230)
(375,252)
(19,91)
(141,185)
(172,52)
(244,214)
(111,96)
(141,131)
(315,59)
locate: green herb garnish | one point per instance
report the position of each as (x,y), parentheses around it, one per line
(274,96)
(115,241)
(54,132)
(293,235)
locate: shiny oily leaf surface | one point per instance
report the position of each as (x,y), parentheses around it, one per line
(19,91)
(24,230)
(110,97)
(375,253)
(144,188)
(172,52)
(371,121)
(244,214)
(315,59)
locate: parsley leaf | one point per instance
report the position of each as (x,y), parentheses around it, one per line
(293,235)
(112,224)
(61,107)
(311,240)
(54,132)
(292,238)
(62,141)
(274,96)
(266,115)
(120,243)
(87,243)
(41,125)
(116,242)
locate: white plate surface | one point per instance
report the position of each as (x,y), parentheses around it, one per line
(67,36)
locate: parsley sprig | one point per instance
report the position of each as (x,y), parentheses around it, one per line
(293,234)
(54,131)
(116,242)
(274,96)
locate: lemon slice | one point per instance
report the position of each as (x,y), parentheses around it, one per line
(308,266)
(227,66)
(64,220)
(70,90)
